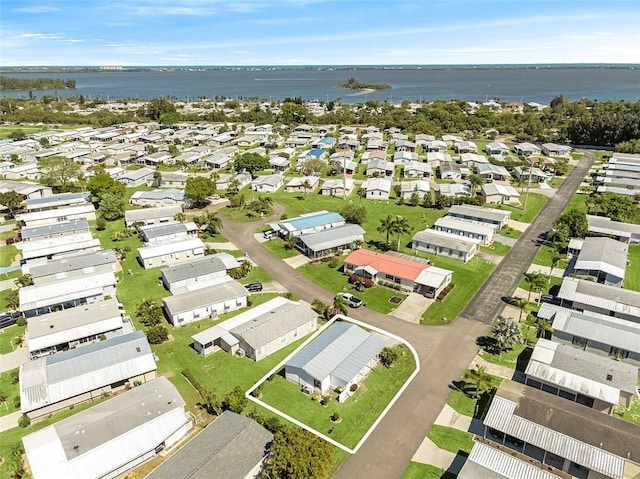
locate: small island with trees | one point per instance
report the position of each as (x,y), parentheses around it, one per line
(353,84)
(10,83)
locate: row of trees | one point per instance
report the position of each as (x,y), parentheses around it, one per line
(581,122)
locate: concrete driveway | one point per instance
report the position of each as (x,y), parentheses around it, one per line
(14,359)
(411,308)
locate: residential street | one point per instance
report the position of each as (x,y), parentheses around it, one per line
(444,352)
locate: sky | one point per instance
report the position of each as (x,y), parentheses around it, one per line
(317,32)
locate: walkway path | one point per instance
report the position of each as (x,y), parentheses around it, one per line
(429,453)
(487,303)
(493,369)
(9,421)
(13,359)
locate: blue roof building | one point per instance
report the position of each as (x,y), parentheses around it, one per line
(308,223)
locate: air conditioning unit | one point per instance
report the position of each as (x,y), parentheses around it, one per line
(241,353)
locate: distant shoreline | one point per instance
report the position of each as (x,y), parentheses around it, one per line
(201,68)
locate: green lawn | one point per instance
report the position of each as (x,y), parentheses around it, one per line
(8,337)
(450,439)
(358,413)
(4,299)
(278,247)
(509,358)
(577,202)
(496,248)
(632,276)
(6,130)
(377,298)
(534,205)
(632,414)
(544,256)
(462,403)
(12,392)
(510,232)
(417,470)
(468,278)
(8,255)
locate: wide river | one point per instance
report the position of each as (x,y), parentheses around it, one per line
(527,83)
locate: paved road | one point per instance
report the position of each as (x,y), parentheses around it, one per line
(487,303)
(444,352)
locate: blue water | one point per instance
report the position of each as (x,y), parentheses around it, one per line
(508,83)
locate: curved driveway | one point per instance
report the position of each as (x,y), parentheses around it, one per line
(444,351)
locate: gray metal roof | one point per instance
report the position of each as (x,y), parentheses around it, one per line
(167,193)
(54,229)
(194,299)
(274,324)
(157,231)
(342,350)
(487,462)
(603,254)
(192,269)
(73,263)
(51,379)
(332,237)
(228,448)
(583,435)
(446,240)
(109,435)
(137,174)
(59,199)
(152,213)
(71,324)
(490,215)
(458,224)
(619,300)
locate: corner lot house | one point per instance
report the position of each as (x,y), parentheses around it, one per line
(260,331)
(170,253)
(330,241)
(207,302)
(596,382)
(443,243)
(412,275)
(562,434)
(233,446)
(603,259)
(267,184)
(343,355)
(56,382)
(151,216)
(199,273)
(59,331)
(465,228)
(110,438)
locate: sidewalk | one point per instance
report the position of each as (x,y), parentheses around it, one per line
(14,359)
(9,421)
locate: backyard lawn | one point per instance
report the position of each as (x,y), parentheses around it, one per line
(12,392)
(534,205)
(509,358)
(632,275)
(468,279)
(544,256)
(8,337)
(450,439)
(417,470)
(8,255)
(357,414)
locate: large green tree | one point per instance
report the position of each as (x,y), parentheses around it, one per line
(60,172)
(11,201)
(354,214)
(506,333)
(401,227)
(251,162)
(575,221)
(198,189)
(208,222)
(386,226)
(111,207)
(102,183)
(299,454)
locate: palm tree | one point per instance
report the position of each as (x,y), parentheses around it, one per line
(208,222)
(542,326)
(321,308)
(536,282)
(180,217)
(339,306)
(386,226)
(475,180)
(520,303)
(506,333)
(401,227)
(307,186)
(555,259)
(479,379)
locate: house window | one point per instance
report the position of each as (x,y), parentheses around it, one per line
(618,353)
(259,351)
(388,276)
(396,280)
(283,339)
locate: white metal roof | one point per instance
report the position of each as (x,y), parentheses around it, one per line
(93,443)
(433,276)
(170,248)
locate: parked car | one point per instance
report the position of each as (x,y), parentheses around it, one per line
(8,319)
(351,300)
(548,298)
(270,234)
(253,287)
(14,239)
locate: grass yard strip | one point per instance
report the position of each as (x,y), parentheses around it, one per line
(543,258)
(631,414)
(468,279)
(535,202)
(577,202)
(8,255)
(417,470)
(632,275)
(8,337)
(450,439)
(462,403)
(357,414)
(509,358)
(278,247)
(12,392)
(496,248)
